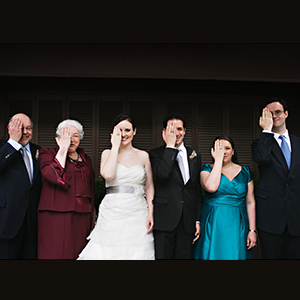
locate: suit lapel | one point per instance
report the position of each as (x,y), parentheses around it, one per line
(178,171)
(191,165)
(278,153)
(295,145)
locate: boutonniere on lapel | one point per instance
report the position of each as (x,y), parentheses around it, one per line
(37,153)
(193,155)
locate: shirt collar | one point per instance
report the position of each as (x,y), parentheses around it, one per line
(286,135)
(182,148)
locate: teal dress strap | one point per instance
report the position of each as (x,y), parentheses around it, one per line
(207,167)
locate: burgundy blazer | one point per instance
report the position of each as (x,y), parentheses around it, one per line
(58,184)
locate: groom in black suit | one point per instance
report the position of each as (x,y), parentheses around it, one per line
(278,190)
(177,200)
(20,185)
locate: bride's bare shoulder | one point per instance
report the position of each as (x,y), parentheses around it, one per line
(142,155)
(105,153)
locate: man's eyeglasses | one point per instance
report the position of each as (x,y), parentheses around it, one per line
(28,128)
(276,112)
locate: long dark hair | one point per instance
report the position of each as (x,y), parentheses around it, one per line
(230,140)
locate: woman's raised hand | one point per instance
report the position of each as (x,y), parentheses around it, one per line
(116,137)
(218,151)
(64,140)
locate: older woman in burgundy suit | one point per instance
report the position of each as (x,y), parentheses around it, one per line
(66,209)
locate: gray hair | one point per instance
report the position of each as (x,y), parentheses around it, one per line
(69,122)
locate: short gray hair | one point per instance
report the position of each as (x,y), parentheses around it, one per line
(69,122)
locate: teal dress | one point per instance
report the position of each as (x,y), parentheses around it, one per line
(224,220)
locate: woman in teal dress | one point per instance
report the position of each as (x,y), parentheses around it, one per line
(228,229)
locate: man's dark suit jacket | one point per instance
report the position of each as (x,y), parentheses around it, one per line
(17,195)
(278,191)
(172,198)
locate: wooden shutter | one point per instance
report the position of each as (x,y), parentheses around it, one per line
(82,111)
(50,115)
(241,129)
(292,121)
(108,110)
(210,125)
(20,104)
(142,114)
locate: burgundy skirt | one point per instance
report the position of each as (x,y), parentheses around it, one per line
(62,235)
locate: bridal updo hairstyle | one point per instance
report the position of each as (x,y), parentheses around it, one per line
(122,117)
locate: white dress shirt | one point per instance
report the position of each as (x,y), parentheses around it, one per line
(183,155)
(18,147)
(279,141)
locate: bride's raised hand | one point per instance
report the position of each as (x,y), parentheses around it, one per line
(116,137)
(218,151)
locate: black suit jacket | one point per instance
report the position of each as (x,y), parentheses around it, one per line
(278,190)
(172,198)
(17,195)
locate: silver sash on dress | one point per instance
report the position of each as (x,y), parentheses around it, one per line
(120,189)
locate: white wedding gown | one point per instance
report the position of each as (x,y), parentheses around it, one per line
(121,231)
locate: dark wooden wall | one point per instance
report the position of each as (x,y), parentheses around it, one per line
(211,108)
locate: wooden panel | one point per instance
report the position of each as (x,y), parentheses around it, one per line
(108,110)
(142,114)
(50,115)
(20,104)
(82,111)
(293,118)
(210,125)
(241,130)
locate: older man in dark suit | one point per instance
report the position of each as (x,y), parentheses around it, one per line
(20,185)
(177,200)
(278,192)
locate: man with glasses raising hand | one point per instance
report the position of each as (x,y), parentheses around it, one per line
(20,185)
(277,153)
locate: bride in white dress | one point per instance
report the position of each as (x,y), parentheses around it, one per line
(124,227)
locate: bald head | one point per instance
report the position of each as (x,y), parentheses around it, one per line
(20,128)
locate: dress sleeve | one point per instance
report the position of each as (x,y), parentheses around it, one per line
(51,169)
(207,167)
(248,172)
